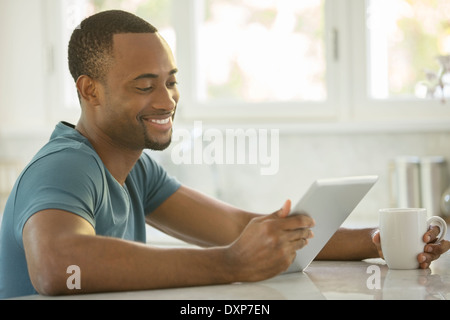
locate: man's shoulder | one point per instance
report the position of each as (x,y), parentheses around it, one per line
(66,158)
(57,153)
(68,145)
(67,141)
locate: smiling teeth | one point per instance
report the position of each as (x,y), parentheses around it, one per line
(164,121)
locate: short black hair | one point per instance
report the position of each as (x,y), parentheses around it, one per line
(91,43)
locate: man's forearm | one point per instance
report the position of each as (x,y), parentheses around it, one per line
(350,244)
(116,265)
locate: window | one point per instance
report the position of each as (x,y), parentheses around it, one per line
(399,48)
(406,37)
(253,59)
(283,60)
(258,51)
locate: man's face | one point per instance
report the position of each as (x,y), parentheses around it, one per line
(140,94)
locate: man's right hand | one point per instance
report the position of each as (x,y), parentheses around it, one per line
(268,244)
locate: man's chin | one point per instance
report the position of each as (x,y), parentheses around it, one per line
(157,145)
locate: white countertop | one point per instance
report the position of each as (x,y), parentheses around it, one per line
(347,280)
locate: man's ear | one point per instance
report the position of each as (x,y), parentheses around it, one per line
(87,89)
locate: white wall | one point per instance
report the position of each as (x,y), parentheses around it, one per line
(305,157)
(22,64)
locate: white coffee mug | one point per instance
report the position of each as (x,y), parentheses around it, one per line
(401,233)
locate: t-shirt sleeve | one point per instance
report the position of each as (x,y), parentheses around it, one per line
(66,180)
(158,184)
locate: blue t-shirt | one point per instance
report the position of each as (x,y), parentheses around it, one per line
(67,174)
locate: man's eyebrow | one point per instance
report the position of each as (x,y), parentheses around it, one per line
(153,76)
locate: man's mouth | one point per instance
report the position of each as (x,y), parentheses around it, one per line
(160,121)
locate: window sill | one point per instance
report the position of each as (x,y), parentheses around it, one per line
(328,127)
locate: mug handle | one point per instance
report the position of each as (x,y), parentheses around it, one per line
(438,221)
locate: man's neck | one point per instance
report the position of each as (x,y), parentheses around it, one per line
(117,159)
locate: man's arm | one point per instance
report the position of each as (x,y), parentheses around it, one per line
(358,244)
(350,244)
(266,246)
(54,240)
(198,219)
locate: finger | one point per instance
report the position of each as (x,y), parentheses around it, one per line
(298,244)
(299,234)
(431,234)
(301,243)
(298,240)
(377,242)
(285,209)
(432,252)
(424,260)
(290,222)
(283,212)
(303,221)
(435,250)
(376,237)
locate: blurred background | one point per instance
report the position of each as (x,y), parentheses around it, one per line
(351,86)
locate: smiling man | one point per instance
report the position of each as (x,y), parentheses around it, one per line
(137,98)
(86,196)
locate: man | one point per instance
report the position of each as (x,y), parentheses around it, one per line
(85,197)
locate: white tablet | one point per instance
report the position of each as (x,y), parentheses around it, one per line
(329,202)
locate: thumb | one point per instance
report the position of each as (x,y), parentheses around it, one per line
(285,210)
(376,240)
(376,237)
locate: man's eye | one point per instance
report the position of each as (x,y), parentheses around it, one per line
(144,89)
(172,84)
